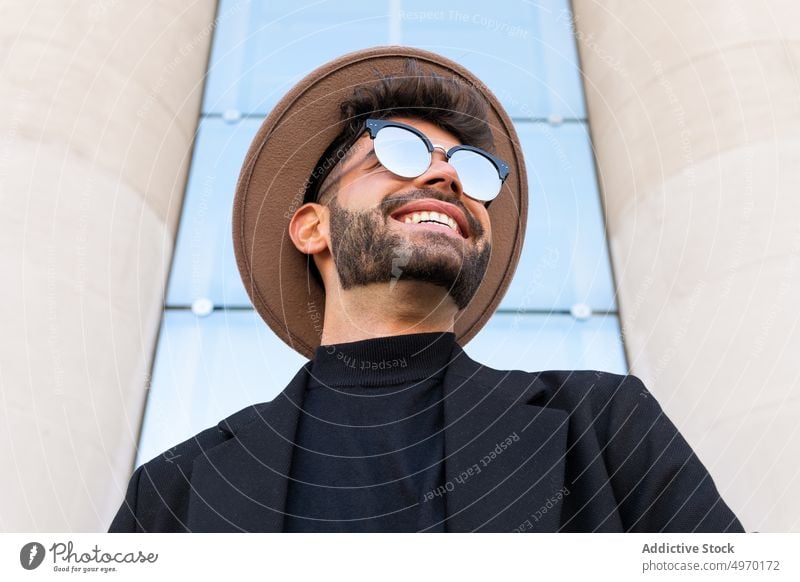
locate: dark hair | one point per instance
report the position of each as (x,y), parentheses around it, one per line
(450,103)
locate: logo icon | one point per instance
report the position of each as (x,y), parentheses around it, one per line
(31,555)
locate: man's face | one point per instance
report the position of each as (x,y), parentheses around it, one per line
(382,229)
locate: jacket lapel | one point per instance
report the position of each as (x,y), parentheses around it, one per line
(504,456)
(241,484)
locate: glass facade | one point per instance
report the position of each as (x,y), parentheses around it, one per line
(560,311)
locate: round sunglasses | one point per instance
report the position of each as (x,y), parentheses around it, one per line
(407,152)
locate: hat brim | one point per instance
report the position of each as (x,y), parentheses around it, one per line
(275,174)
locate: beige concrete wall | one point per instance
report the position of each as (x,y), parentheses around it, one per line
(694,109)
(99,104)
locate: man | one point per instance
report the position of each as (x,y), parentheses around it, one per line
(377,223)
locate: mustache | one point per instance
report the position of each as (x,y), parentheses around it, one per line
(392,203)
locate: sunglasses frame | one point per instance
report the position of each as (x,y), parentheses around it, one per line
(373,126)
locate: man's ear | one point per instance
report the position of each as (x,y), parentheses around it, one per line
(308,228)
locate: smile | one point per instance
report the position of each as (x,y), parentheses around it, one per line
(431,218)
(433,215)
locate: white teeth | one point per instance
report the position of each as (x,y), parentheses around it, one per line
(417,217)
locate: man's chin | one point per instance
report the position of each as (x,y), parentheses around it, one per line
(447,272)
(431,246)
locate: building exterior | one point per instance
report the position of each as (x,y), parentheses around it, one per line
(663,237)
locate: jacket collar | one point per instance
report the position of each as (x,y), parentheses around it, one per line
(504,456)
(241,484)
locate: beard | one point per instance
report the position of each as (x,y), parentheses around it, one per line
(367,250)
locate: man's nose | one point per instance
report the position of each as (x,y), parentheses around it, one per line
(440,174)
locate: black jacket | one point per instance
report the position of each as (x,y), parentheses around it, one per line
(567,451)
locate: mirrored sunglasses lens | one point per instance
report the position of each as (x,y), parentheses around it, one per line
(478,175)
(401,152)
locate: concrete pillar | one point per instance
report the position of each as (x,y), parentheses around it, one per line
(99,103)
(694,108)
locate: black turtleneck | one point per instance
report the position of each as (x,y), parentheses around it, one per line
(369,443)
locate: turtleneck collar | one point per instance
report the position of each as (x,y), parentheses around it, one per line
(383,361)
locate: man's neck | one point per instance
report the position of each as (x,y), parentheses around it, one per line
(379,310)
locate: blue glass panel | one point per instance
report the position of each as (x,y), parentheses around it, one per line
(208,368)
(204,265)
(565,259)
(528,342)
(524,51)
(262,48)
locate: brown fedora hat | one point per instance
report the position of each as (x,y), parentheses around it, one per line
(275,174)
